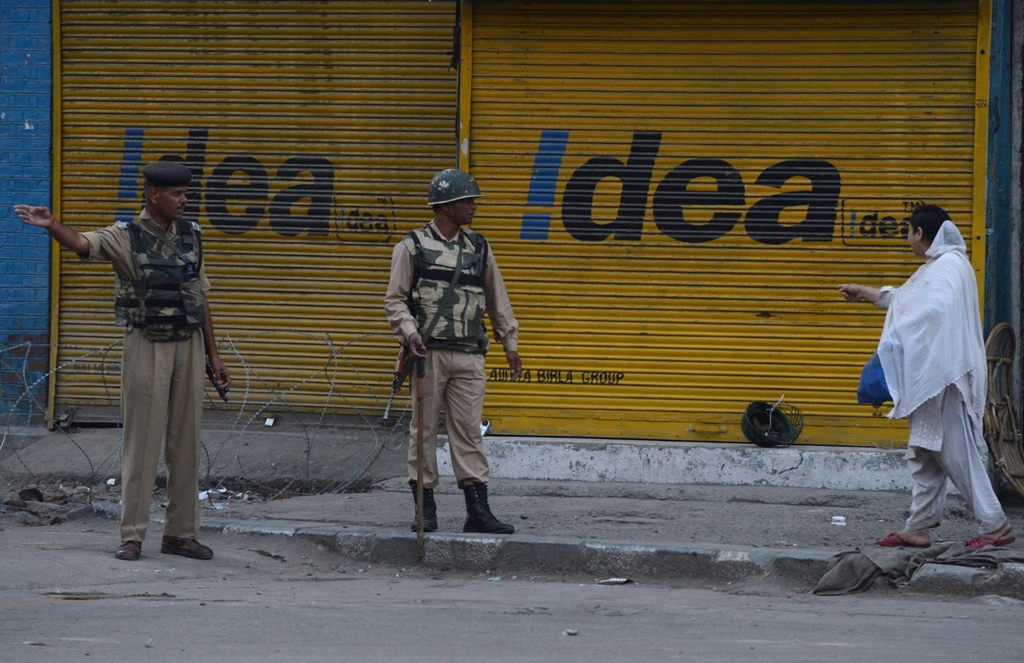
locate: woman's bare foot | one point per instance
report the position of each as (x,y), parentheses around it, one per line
(1002,532)
(917,537)
(909,538)
(1000,537)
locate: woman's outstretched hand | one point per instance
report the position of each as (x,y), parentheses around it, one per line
(859,293)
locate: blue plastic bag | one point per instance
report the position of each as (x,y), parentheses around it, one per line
(873,388)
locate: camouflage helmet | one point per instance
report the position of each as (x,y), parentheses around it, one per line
(451,185)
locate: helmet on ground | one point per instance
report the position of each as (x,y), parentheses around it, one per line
(769,425)
(451,185)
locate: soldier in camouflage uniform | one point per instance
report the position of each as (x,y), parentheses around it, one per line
(160,287)
(449,331)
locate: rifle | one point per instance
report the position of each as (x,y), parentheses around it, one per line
(216,385)
(396,383)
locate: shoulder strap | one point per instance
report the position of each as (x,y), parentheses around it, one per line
(138,247)
(416,269)
(135,233)
(195,232)
(482,249)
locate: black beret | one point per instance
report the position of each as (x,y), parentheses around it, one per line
(166,173)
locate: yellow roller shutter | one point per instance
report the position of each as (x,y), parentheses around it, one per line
(674,190)
(312,129)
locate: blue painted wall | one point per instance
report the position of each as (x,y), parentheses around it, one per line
(998,249)
(25,176)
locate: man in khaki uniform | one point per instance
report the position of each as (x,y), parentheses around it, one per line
(160,287)
(446,326)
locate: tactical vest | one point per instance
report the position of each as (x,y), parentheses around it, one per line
(461,321)
(167,302)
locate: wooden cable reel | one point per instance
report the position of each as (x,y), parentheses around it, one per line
(1001,432)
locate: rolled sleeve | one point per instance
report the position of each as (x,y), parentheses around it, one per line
(204,283)
(113,244)
(885,297)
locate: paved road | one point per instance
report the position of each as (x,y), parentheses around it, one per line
(63,597)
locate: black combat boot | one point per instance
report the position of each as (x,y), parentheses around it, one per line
(479,517)
(429,509)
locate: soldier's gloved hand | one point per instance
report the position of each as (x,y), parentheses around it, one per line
(416,345)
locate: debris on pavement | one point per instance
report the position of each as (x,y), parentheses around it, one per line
(997,601)
(39,504)
(267,553)
(31,494)
(613,581)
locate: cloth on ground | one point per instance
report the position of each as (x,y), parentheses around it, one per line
(853,571)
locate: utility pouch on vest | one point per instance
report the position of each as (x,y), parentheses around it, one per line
(163,336)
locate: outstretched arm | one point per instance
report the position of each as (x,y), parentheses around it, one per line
(40,217)
(859,293)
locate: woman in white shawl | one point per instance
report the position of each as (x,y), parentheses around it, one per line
(933,356)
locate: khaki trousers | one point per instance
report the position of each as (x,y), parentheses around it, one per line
(457,381)
(162,404)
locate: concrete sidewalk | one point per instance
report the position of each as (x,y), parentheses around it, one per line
(647,509)
(721,535)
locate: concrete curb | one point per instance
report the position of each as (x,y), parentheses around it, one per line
(522,554)
(1006,580)
(526,554)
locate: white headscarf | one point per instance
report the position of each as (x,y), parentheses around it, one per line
(932,336)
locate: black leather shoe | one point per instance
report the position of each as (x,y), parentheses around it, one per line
(129,551)
(190,548)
